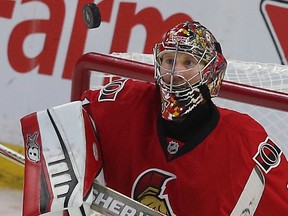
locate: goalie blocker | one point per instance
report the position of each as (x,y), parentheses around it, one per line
(62,159)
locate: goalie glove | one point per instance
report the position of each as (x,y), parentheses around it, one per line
(62,159)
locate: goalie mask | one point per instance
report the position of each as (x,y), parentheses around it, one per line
(187,61)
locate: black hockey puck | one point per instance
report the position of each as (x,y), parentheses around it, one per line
(91,15)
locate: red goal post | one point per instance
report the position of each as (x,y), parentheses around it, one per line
(257,89)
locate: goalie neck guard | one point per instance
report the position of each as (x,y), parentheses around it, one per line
(195,49)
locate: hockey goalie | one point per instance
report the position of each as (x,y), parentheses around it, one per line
(165,145)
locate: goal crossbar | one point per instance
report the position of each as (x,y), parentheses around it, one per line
(141,71)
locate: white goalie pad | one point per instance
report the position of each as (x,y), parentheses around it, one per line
(62,159)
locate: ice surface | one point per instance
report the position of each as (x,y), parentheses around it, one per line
(10,202)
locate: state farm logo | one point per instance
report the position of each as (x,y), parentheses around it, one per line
(275,14)
(33,44)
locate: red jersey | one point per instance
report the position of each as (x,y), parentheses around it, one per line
(236,169)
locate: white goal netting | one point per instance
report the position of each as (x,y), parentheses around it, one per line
(263,75)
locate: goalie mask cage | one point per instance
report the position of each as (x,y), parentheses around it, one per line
(257,89)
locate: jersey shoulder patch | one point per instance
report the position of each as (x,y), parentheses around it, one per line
(111,90)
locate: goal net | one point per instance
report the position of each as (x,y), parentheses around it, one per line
(257,89)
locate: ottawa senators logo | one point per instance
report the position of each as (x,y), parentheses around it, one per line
(110,91)
(149,189)
(268,155)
